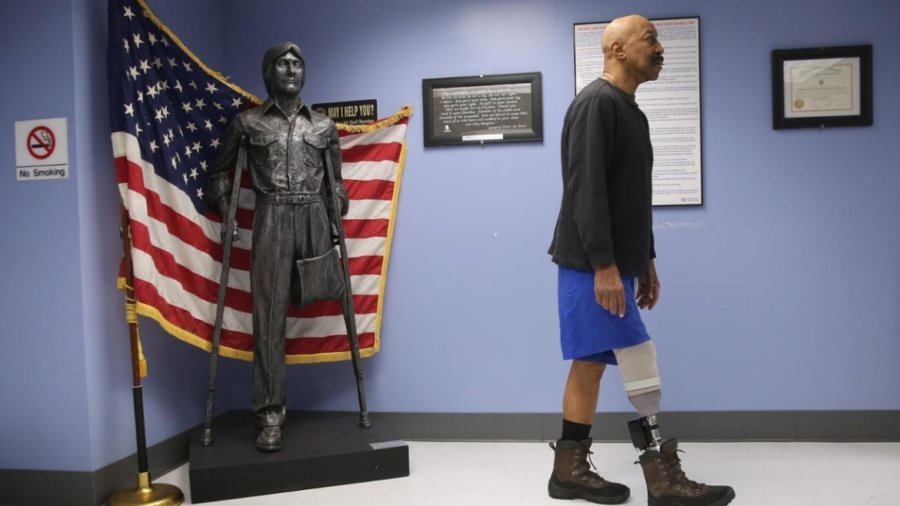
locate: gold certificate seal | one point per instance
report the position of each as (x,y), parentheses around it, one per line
(798,104)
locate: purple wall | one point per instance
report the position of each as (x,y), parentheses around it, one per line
(780,293)
(65,376)
(42,369)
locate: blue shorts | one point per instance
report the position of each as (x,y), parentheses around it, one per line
(586,330)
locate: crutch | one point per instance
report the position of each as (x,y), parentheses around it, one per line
(228,240)
(347,298)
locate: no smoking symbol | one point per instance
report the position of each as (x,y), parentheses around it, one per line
(41,142)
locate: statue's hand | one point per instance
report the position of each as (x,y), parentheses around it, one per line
(341,201)
(222,204)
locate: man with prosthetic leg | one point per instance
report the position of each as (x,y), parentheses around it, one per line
(603,245)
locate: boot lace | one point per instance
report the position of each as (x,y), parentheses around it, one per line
(584,465)
(672,468)
(673,462)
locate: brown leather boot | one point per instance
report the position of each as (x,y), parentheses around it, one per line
(572,477)
(668,486)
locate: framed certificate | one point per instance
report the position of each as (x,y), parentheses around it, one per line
(482,109)
(820,87)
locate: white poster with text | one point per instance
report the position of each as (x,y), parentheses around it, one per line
(671,103)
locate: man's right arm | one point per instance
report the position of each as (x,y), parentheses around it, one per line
(590,157)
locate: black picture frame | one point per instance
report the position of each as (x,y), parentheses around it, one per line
(822,87)
(483,109)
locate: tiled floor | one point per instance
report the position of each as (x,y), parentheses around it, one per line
(497,474)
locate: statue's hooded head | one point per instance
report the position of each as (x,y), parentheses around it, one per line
(272,55)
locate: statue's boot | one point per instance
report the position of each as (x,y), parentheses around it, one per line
(667,484)
(269,439)
(572,477)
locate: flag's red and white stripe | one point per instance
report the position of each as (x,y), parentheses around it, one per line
(177,256)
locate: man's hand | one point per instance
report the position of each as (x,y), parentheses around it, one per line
(648,288)
(609,290)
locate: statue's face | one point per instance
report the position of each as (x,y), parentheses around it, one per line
(287,75)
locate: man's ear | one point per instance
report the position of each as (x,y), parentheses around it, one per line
(618,49)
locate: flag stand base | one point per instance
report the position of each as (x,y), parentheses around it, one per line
(319,449)
(145,494)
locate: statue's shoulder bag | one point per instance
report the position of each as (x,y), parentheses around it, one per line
(320,277)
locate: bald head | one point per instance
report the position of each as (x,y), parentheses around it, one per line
(631,52)
(623,30)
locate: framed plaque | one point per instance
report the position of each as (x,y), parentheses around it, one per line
(483,109)
(820,87)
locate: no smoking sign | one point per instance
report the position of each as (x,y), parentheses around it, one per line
(41,149)
(41,142)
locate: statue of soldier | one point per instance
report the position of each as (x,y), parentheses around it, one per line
(288,149)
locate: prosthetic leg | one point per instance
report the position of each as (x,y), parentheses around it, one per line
(645,433)
(667,484)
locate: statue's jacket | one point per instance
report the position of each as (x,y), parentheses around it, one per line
(286,156)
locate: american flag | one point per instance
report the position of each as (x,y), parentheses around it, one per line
(168,113)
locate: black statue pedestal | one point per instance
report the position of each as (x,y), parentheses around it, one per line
(318,450)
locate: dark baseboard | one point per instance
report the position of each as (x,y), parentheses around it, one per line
(122,474)
(80,488)
(813,426)
(27,487)
(64,488)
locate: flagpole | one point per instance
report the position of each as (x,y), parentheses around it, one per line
(145,494)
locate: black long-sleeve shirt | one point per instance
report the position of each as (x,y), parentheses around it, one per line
(607,159)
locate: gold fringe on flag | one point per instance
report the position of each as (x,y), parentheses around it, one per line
(131,318)
(218,75)
(404,112)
